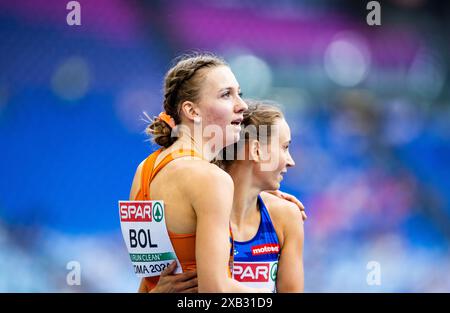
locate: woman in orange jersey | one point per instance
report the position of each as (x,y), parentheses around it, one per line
(268,231)
(200,94)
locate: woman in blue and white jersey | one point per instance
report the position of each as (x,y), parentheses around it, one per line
(267,230)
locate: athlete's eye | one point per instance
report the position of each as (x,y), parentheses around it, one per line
(240,94)
(226,94)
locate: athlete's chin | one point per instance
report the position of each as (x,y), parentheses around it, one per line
(274,185)
(232,139)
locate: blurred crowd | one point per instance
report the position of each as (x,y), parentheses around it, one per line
(369,108)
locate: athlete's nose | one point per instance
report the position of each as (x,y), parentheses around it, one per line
(241,106)
(290,160)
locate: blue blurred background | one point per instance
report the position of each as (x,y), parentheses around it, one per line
(368,106)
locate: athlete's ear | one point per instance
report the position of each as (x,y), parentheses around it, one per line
(190,110)
(254,150)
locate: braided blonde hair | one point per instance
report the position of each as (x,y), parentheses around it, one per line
(181,83)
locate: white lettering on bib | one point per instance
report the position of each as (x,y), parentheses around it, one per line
(256,274)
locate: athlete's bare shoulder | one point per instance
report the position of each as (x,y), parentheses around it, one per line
(194,175)
(201,183)
(280,207)
(197,169)
(282,212)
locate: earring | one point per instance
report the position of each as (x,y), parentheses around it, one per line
(197,119)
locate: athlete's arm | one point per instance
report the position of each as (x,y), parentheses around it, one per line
(212,199)
(290,266)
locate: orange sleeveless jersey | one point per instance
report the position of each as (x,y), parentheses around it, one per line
(183,244)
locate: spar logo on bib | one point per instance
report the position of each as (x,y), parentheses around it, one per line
(135,211)
(158,212)
(274,271)
(251,272)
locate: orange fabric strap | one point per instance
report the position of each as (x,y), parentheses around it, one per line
(146,173)
(149,171)
(172,156)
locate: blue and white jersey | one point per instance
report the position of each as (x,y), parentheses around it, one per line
(256,261)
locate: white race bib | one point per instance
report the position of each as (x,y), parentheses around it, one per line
(145,233)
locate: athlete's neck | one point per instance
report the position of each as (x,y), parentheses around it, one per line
(188,142)
(245,199)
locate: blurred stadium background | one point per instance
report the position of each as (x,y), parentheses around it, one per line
(369,109)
